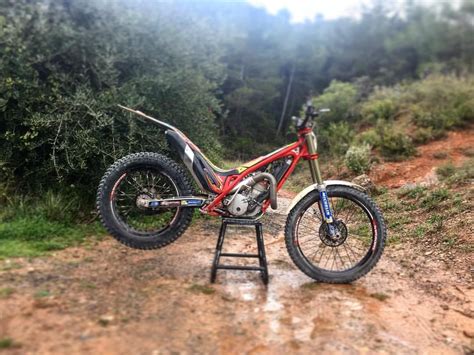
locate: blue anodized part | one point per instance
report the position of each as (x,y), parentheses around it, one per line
(154,204)
(194,202)
(325,203)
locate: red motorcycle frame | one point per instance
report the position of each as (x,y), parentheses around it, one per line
(296,151)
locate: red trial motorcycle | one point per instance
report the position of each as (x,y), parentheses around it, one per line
(334,232)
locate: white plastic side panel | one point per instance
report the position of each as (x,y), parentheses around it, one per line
(313,187)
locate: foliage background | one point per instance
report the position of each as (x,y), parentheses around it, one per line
(220,72)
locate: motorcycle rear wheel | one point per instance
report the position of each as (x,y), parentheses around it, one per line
(143,175)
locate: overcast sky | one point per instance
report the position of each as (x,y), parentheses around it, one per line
(302,10)
(306,9)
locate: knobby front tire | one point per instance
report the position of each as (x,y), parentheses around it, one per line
(362,235)
(146,175)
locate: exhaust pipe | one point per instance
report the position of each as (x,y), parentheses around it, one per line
(252,180)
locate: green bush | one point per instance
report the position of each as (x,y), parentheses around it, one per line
(434,105)
(370,137)
(440,102)
(438,122)
(337,138)
(394,144)
(340,98)
(466,110)
(357,158)
(374,110)
(423,135)
(61,84)
(456,175)
(446,171)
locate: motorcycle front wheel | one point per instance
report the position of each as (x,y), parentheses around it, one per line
(340,258)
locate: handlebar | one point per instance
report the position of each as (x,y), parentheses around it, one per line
(310,114)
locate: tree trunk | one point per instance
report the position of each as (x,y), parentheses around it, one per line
(285,104)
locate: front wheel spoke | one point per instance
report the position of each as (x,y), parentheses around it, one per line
(353,253)
(317,214)
(333,253)
(343,264)
(309,230)
(347,253)
(327,259)
(323,251)
(316,252)
(348,218)
(334,213)
(309,240)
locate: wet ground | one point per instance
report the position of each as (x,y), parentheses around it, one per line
(107,299)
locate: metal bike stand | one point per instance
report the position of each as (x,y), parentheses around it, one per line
(261,250)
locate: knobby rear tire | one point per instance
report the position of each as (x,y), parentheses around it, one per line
(104,203)
(324,275)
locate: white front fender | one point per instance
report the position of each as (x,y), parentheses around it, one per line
(313,187)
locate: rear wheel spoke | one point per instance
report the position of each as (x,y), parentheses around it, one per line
(144,183)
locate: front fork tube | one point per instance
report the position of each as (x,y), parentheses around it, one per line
(324,206)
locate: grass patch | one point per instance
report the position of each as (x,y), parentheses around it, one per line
(468,152)
(379,296)
(207,290)
(30,228)
(450,241)
(434,198)
(8,343)
(414,192)
(398,222)
(452,175)
(446,170)
(10,266)
(440,155)
(310,285)
(88,285)
(436,222)
(31,237)
(433,215)
(42,294)
(34,226)
(420,231)
(6,292)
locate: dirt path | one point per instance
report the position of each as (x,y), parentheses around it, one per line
(108,299)
(421,169)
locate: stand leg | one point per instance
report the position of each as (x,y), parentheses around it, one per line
(217,255)
(261,253)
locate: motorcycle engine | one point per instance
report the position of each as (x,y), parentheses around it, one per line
(245,202)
